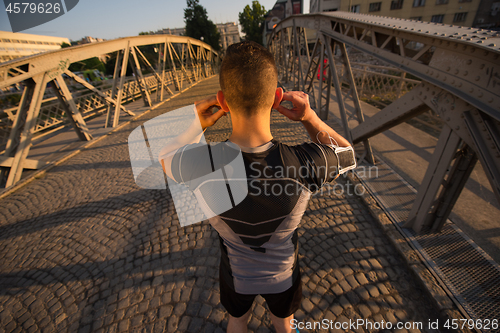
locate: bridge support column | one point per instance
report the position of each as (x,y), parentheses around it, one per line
(355,98)
(119,92)
(116,78)
(458,176)
(442,158)
(136,68)
(68,104)
(338,88)
(20,136)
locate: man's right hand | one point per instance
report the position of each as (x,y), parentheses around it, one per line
(301,110)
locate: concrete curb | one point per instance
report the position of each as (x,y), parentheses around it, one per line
(40,173)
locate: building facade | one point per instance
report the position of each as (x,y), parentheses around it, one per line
(229,34)
(455,12)
(280,11)
(174,31)
(89,40)
(16,45)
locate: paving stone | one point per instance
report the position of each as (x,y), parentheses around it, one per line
(184,323)
(361,278)
(364,311)
(165,311)
(216,316)
(307,305)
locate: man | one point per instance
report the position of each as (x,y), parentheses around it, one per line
(258,236)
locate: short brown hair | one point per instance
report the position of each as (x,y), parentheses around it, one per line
(248,77)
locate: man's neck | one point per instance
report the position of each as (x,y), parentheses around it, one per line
(251,132)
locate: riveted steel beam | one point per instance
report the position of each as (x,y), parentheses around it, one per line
(143,87)
(24,68)
(24,136)
(68,104)
(34,71)
(459,69)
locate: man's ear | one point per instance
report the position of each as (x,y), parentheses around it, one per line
(222,101)
(278,97)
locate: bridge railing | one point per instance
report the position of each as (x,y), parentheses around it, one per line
(458,71)
(182,61)
(52,115)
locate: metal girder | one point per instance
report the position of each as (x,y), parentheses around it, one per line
(394,114)
(66,99)
(459,69)
(177,82)
(27,67)
(485,133)
(434,177)
(455,182)
(461,60)
(34,71)
(136,68)
(116,79)
(355,98)
(155,73)
(119,92)
(87,85)
(21,134)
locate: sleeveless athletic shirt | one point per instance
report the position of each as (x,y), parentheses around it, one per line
(258,236)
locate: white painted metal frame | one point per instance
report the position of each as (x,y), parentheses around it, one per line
(198,60)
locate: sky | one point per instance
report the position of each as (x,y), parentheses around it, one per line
(111,19)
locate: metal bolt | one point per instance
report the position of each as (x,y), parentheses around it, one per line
(478,78)
(465,73)
(457,128)
(469,62)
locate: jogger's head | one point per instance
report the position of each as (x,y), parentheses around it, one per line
(248,78)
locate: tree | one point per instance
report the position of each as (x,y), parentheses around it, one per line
(91,63)
(252,21)
(198,25)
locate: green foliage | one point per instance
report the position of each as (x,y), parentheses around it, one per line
(10,100)
(63,45)
(92,63)
(198,25)
(142,33)
(252,21)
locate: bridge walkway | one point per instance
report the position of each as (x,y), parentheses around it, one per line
(83,249)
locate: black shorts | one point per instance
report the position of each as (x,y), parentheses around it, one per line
(282,305)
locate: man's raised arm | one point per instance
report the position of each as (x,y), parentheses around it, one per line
(316,127)
(206,118)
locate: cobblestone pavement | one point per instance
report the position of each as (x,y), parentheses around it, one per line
(84,249)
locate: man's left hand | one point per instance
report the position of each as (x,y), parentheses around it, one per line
(205,111)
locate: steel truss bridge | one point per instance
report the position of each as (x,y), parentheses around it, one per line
(182,61)
(457,75)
